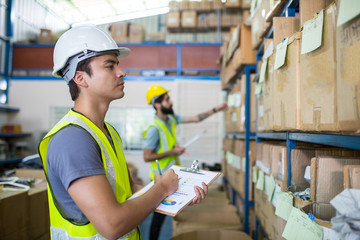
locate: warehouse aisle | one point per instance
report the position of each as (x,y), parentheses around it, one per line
(166,229)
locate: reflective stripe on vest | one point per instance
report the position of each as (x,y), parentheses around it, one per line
(116,173)
(167,141)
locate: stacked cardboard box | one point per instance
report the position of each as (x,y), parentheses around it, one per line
(25,214)
(214,213)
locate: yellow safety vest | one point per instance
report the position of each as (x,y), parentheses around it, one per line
(116,173)
(167,142)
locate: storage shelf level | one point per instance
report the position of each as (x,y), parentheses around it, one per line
(14,135)
(337,140)
(13,160)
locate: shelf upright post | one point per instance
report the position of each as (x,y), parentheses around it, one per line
(290,144)
(248,69)
(218,25)
(9,34)
(178,60)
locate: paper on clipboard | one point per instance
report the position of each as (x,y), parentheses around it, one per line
(194,139)
(175,203)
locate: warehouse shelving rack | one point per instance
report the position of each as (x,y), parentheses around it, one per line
(6,39)
(178,58)
(291,137)
(246,136)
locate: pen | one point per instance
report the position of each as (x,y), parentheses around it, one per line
(157,163)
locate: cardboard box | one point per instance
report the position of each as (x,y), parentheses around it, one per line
(173,6)
(323,213)
(301,157)
(13,215)
(352,176)
(237,178)
(278,227)
(233,114)
(234,42)
(286,116)
(222,217)
(156,37)
(244,54)
(246,17)
(260,114)
(212,235)
(268,87)
(212,20)
(228,144)
(119,31)
(309,7)
(202,21)
(206,5)
(173,19)
(258,24)
(327,177)
(136,33)
(279,163)
(318,80)
(188,19)
(284,27)
(46,36)
(194,5)
(38,218)
(252,117)
(184,5)
(217,4)
(225,20)
(233,3)
(348,72)
(265,212)
(245,4)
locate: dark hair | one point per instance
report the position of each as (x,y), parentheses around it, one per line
(159,100)
(82,66)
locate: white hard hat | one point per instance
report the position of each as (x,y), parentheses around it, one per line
(80,43)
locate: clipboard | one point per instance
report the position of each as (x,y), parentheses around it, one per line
(175,203)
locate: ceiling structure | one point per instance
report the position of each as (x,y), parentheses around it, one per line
(98,12)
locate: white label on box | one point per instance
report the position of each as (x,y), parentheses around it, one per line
(307,175)
(234,117)
(237,100)
(243,114)
(276,194)
(261,110)
(189,20)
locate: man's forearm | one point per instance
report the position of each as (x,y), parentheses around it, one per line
(155,156)
(207,114)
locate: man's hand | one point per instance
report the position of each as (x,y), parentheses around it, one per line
(200,193)
(177,150)
(169,181)
(221,107)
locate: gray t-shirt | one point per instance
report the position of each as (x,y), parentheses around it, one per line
(72,154)
(152,134)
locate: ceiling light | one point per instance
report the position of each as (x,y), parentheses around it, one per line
(127,16)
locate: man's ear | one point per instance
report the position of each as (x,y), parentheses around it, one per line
(157,105)
(80,79)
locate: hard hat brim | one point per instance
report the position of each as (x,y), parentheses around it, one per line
(122,53)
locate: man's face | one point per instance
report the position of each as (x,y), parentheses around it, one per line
(166,105)
(106,82)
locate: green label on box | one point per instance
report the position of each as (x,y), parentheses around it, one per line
(255,170)
(284,205)
(299,226)
(312,33)
(261,180)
